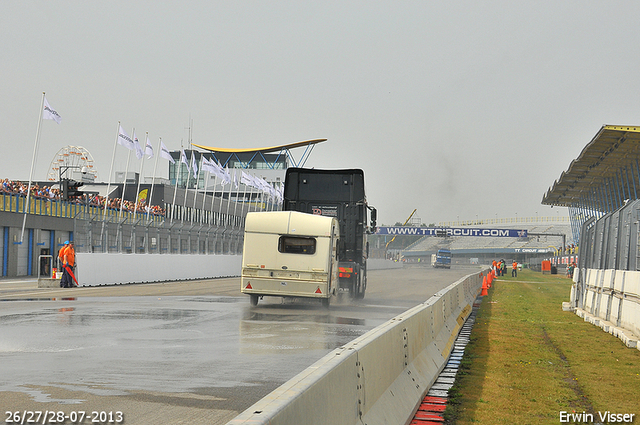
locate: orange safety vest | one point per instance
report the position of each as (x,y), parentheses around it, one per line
(514,265)
(70,256)
(61,252)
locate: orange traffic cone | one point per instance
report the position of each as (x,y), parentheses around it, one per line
(484,287)
(489,279)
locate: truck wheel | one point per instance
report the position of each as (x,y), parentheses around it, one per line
(254,300)
(362,284)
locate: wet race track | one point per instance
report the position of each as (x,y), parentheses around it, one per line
(178,352)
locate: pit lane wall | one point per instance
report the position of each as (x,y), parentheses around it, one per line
(94,269)
(606,290)
(609,299)
(380,377)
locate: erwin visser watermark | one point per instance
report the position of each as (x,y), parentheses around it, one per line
(600,417)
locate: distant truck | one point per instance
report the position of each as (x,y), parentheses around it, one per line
(290,254)
(441,259)
(338,194)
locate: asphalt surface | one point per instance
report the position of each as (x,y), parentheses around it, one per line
(188,352)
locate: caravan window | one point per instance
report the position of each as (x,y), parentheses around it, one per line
(297,245)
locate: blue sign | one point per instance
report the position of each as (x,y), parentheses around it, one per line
(451,231)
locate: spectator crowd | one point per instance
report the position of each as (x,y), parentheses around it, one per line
(48,193)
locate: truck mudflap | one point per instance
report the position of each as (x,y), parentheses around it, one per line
(352,277)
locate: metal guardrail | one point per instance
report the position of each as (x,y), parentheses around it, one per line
(143,237)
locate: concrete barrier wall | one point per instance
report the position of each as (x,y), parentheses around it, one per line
(380,377)
(611,300)
(105,269)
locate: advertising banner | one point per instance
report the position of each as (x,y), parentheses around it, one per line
(451,231)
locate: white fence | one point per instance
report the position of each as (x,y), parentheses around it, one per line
(107,269)
(607,288)
(380,377)
(609,299)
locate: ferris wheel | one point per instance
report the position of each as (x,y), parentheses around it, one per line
(74,158)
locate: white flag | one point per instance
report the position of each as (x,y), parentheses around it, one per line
(164,153)
(183,159)
(49,114)
(208,165)
(226,179)
(148,149)
(216,169)
(194,166)
(124,139)
(255,182)
(265,186)
(245,179)
(136,144)
(235,180)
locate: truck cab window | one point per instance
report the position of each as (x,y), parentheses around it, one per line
(296,245)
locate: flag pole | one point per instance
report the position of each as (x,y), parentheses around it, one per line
(244,194)
(124,186)
(213,194)
(251,196)
(186,188)
(175,189)
(235,205)
(106,199)
(27,206)
(229,198)
(222,183)
(153,181)
(195,195)
(229,222)
(235,183)
(135,209)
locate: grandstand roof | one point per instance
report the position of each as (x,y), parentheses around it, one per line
(608,163)
(263,150)
(283,151)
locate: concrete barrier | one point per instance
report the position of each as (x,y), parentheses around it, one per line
(611,301)
(105,269)
(108,269)
(380,377)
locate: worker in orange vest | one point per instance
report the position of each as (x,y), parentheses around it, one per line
(61,258)
(69,262)
(514,270)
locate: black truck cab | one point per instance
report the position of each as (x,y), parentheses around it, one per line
(339,194)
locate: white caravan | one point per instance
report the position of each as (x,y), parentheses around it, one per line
(290,254)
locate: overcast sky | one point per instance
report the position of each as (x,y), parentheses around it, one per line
(459,109)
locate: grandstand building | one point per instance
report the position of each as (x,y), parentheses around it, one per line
(269,164)
(191,213)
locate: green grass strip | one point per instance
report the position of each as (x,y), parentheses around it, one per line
(528,361)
